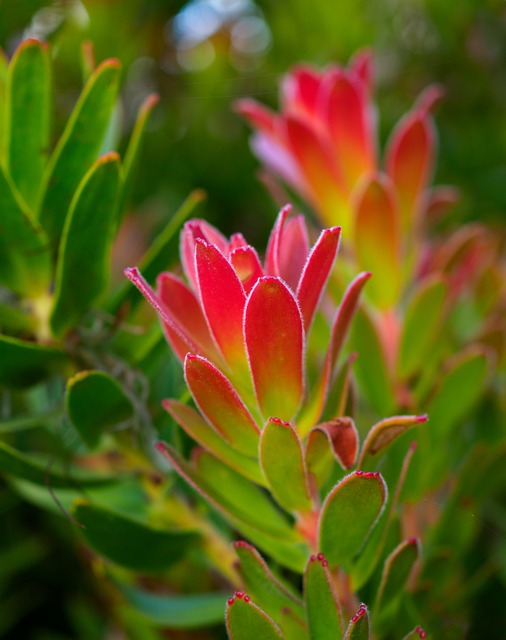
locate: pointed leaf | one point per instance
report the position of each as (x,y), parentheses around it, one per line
(323,609)
(371,366)
(25,260)
(95,401)
(358,629)
(228,499)
(397,569)
(316,273)
(246,621)
(78,147)
(27,124)
(82,271)
(282,462)
(23,364)
(246,264)
(293,251)
(421,325)
(349,514)
(409,161)
(417,634)
(383,433)
(273,253)
(161,254)
(268,592)
(191,611)
(377,240)
(221,289)
(221,405)
(133,150)
(274,337)
(201,432)
(119,538)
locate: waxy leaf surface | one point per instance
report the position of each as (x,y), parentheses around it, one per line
(246,621)
(282,462)
(274,340)
(322,606)
(78,147)
(220,403)
(383,433)
(28,105)
(82,272)
(198,429)
(349,514)
(96,401)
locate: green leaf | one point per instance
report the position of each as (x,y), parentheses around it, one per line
(78,147)
(128,542)
(133,150)
(323,609)
(40,472)
(176,611)
(246,621)
(417,634)
(358,629)
(277,538)
(269,593)
(370,367)
(349,514)
(4,70)
(162,252)
(28,117)
(82,271)
(15,321)
(422,321)
(397,569)
(25,260)
(23,364)
(383,433)
(94,402)
(198,429)
(282,462)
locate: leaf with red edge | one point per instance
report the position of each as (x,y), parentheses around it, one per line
(409,162)
(341,437)
(220,403)
(349,514)
(246,621)
(192,231)
(268,591)
(274,337)
(300,90)
(416,634)
(258,115)
(282,462)
(362,64)
(383,433)
(246,264)
(316,273)
(183,306)
(359,626)
(397,569)
(293,251)
(273,252)
(323,608)
(198,429)
(317,162)
(350,123)
(223,300)
(377,239)
(314,407)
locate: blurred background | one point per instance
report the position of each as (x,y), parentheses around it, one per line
(200,56)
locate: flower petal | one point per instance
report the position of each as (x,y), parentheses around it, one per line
(316,273)
(221,405)
(273,331)
(223,300)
